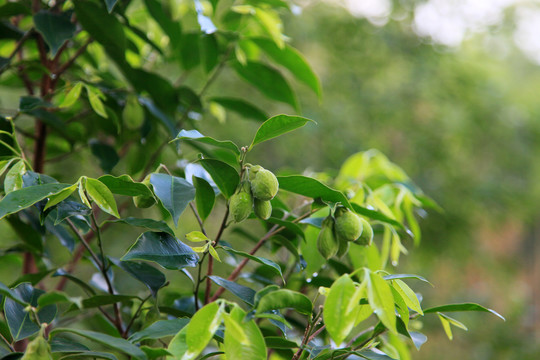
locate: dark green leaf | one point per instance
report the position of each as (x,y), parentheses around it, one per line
(106,154)
(55,28)
(147,274)
(175,193)
(33,278)
(101,300)
(241,107)
(159,329)
(223,174)
(150,224)
(29,236)
(284,299)
(194,135)
(170,27)
(59,344)
(5,291)
(461,307)
(291,59)
(29,103)
(276,342)
(107,340)
(163,249)
(243,292)
(20,324)
(10,9)
(210,51)
(269,81)
(82,284)
(21,199)
(204,197)
(312,188)
(90,354)
(269,263)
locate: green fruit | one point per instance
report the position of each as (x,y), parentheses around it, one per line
(263,209)
(141,201)
(38,349)
(348,226)
(343,247)
(367,234)
(264,184)
(327,243)
(240,206)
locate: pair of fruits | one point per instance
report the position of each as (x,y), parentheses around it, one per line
(254,193)
(337,233)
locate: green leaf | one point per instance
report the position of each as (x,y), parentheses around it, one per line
(5,291)
(101,300)
(223,174)
(290,58)
(375,215)
(408,296)
(94,97)
(61,196)
(169,26)
(159,329)
(56,297)
(14,177)
(266,262)
(284,299)
(104,28)
(147,274)
(19,321)
(110,5)
(381,300)
(107,340)
(21,199)
(241,107)
(163,249)
(243,339)
(10,9)
(82,284)
(276,126)
(72,96)
(289,225)
(175,193)
(56,28)
(196,236)
(91,355)
(271,22)
(102,196)
(312,188)
(201,329)
(150,224)
(194,135)
(178,345)
(341,308)
(446,321)
(204,197)
(243,292)
(125,185)
(269,81)
(405,276)
(105,153)
(277,342)
(461,307)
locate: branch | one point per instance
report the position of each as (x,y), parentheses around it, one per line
(18,47)
(211,259)
(70,62)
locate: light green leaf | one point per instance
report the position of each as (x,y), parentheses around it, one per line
(381,299)
(94,97)
(408,296)
(276,126)
(72,96)
(213,252)
(62,195)
(243,339)
(102,196)
(285,299)
(196,236)
(201,329)
(271,22)
(446,321)
(461,307)
(21,199)
(14,180)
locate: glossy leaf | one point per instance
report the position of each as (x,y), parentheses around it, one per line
(163,249)
(269,81)
(204,197)
(266,262)
(21,199)
(72,96)
(150,224)
(147,274)
(241,107)
(178,346)
(243,292)
(102,196)
(125,185)
(107,340)
(5,291)
(61,196)
(19,321)
(175,193)
(56,28)
(201,329)
(223,174)
(276,126)
(285,299)
(243,339)
(290,58)
(408,296)
(194,135)
(381,299)
(311,187)
(159,329)
(340,308)
(461,307)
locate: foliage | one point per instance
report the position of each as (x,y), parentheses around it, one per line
(98,81)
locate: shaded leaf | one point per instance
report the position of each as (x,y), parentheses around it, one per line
(241,107)
(204,197)
(175,193)
(284,299)
(106,154)
(223,174)
(150,224)
(269,263)
(147,274)
(243,292)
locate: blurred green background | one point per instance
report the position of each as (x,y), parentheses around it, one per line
(462,119)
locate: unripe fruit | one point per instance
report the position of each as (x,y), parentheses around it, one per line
(141,201)
(240,206)
(343,247)
(327,243)
(263,209)
(264,184)
(348,225)
(367,234)
(38,349)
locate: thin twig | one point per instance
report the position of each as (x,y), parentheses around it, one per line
(211,259)
(18,47)
(135,316)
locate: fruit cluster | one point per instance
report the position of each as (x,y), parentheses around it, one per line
(338,231)
(254,193)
